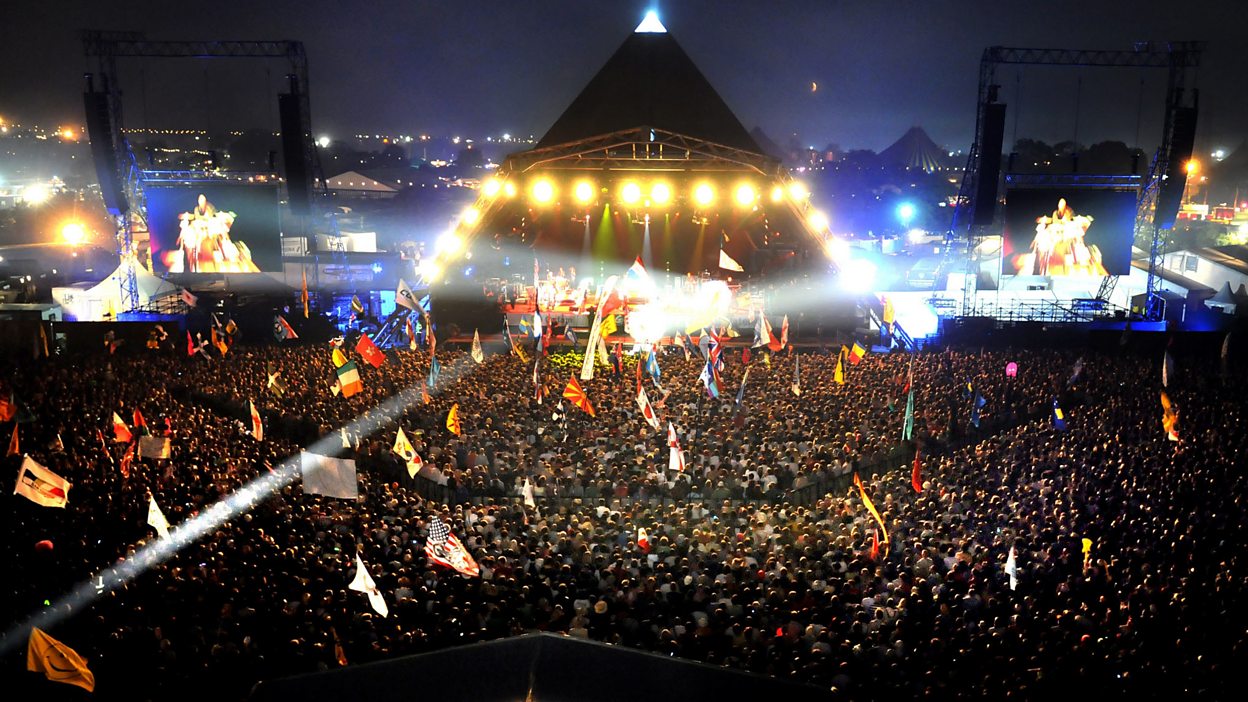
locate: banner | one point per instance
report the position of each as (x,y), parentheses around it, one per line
(332,477)
(40,485)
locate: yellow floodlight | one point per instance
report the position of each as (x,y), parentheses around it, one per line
(543,191)
(777,194)
(818,221)
(470,216)
(798,191)
(509,189)
(660,193)
(745,195)
(73,233)
(583,192)
(491,187)
(630,193)
(703,194)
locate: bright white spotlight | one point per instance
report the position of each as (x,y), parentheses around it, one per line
(630,193)
(323,142)
(491,187)
(745,195)
(818,221)
(543,191)
(73,233)
(905,213)
(449,243)
(660,193)
(858,277)
(36,194)
(703,194)
(583,192)
(429,269)
(838,250)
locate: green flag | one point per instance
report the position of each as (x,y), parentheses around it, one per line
(907,431)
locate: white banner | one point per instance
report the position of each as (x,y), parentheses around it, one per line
(332,477)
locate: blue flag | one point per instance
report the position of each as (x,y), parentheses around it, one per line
(569,334)
(1059,417)
(741,390)
(435,369)
(652,366)
(975,406)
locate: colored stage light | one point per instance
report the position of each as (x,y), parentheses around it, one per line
(660,193)
(73,233)
(429,269)
(798,191)
(449,243)
(777,194)
(584,192)
(703,194)
(543,191)
(470,216)
(630,193)
(818,221)
(491,187)
(509,189)
(905,213)
(745,195)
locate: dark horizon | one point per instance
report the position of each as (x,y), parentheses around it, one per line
(490,69)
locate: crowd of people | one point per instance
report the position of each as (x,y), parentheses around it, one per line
(1128,546)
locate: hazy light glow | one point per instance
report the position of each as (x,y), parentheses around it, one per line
(798,192)
(650,24)
(429,269)
(584,192)
(449,243)
(745,195)
(777,194)
(470,216)
(905,212)
(818,221)
(491,187)
(660,193)
(36,194)
(630,193)
(323,142)
(73,233)
(509,189)
(858,277)
(703,194)
(543,191)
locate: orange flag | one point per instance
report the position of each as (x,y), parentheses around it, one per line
(871,507)
(576,396)
(915,481)
(13,446)
(452,420)
(303,295)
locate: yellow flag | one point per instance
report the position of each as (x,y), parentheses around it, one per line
(890,314)
(871,506)
(839,375)
(58,662)
(452,420)
(607,327)
(340,358)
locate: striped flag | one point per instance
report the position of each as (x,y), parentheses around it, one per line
(442,548)
(855,355)
(576,395)
(257,426)
(282,330)
(675,456)
(40,485)
(121,433)
(349,379)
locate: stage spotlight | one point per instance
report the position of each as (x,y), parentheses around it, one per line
(470,216)
(584,192)
(703,194)
(777,194)
(630,193)
(36,194)
(745,195)
(660,193)
(858,277)
(905,213)
(798,191)
(73,233)
(837,250)
(818,221)
(449,244)
(509,189)
(429,269)
(543,191)
(491,187)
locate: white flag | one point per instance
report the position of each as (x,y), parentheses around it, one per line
(727,262)
(153,447)
(647,411)
(332,477)
(40,485)
(257,426)
(529,500)
(477,354)
(156,518)
(675,456)
(364,583)
(1011,569)
(405,298)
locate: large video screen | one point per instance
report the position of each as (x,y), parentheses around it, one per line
(1058,232)
(214,228)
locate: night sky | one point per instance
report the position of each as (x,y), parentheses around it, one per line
(489,67)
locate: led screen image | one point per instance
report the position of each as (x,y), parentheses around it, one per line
(214,228)
(1056,232)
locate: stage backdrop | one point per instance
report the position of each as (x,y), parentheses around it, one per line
(1068,231)
(214,228)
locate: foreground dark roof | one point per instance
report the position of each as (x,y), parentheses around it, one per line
(650,82)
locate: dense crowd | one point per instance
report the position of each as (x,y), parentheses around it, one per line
(797,590)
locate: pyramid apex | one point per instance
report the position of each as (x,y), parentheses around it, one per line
(650,24)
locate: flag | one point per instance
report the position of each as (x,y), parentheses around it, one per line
(452,420)
(442,548)
(527,491)
(784,333)
(156,518)
(411,333)
(58,662)
(349,379)
(1225,356)
(608,326)
(647,411)
(191,348)
(796,387)
(121,433)
(1075,372)
(339,358)
(709,380)
(652,366)
(617,359)
(1167,369)
(570,334)
(363,582)
(687,344)
(762,331)
(727,262)
(403,447)
(139,423)
(610,303)
(218,342)
(1059,417)
(282,330)
(741,390)
(839,374)
(907,428)
(890,314)
(404,297)
(339,653)
(638,272)
(915,481)
(357,307)
(154,447)
(576,395)
(855,355)
(1169,417)
(8,408)
(435,370)
(675,456)
(643,540)
(189,298)
(367,349)
(275,383)
(303,295)
(871,507)
(14,450)
(325,475)
(257,427)
(1011,569)
(976,404)
(431,339)
(477,354)
(40,485)
(127,460)
(424,395)
(416,465)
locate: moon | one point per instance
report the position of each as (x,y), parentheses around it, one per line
(813,86)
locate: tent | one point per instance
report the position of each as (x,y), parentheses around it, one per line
(1224,301)
(103,300)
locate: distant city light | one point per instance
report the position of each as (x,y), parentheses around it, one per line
(323,142)
(506,137)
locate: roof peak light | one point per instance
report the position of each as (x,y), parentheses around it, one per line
(650,24)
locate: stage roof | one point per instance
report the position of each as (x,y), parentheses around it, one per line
(650,82)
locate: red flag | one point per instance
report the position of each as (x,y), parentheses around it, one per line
(611,304)
(576,396)
(639,375)
(643,540)
(442,548)
(370,352)
(915,481)
(875,544)
(303,294)
(8,409)
(138,421)
(257,427)
(127,459)
(745,356)
(13,445)
(121,432)
(190,345)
